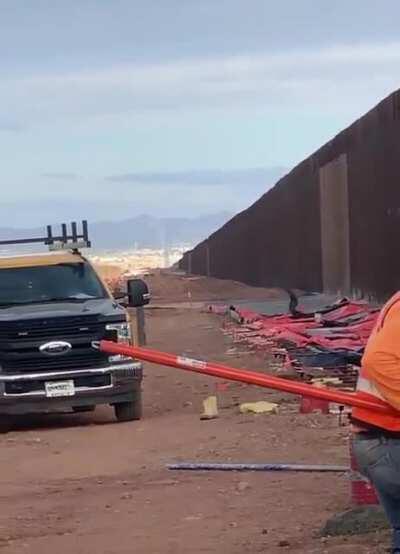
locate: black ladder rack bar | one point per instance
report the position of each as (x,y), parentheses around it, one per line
(50,239)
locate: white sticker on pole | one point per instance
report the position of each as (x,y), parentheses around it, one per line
(190,363)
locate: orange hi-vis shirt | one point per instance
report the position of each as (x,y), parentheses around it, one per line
(381,360)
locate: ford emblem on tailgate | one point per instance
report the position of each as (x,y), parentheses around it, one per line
(55,348)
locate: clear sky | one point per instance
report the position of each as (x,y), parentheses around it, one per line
(113,108)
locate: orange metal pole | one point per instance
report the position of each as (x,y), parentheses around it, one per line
(246,376)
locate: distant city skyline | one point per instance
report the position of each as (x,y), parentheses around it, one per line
(111,109)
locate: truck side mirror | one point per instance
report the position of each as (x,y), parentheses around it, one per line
(119,295)
(138,293)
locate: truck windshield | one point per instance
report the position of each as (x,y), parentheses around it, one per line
(27,285)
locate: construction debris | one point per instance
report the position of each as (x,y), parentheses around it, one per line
(326,381)
(210,406)
(261,407)
(328,343)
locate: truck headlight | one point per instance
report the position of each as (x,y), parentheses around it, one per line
(123,331)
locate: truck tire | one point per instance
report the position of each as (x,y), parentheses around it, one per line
(82,409)
(129,411)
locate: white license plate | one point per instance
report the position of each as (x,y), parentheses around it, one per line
(59,388)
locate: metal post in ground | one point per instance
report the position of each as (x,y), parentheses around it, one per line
(141,326)
(310,405)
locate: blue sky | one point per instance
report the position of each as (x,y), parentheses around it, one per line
(113,108)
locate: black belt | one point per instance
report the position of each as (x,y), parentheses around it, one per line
(372,432)
(377,434)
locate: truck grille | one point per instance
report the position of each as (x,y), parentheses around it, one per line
(50,329)
(20,343)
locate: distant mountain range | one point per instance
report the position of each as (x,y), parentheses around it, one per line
(143,231)
(151,232)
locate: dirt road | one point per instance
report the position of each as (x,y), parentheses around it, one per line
(85,485)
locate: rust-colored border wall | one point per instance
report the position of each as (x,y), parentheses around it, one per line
(374,200)
(277,241)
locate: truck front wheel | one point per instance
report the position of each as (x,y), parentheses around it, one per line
(129,411)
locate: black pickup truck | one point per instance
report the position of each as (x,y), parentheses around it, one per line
(54,308)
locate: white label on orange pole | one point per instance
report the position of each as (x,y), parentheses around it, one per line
(189,362)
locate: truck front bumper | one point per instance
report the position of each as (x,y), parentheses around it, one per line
(26,393)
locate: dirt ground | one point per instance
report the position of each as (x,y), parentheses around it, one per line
(170,287)
(83,484)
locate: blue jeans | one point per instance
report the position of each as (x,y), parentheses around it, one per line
(379,460)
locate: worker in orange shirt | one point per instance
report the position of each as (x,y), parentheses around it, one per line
(376,438)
